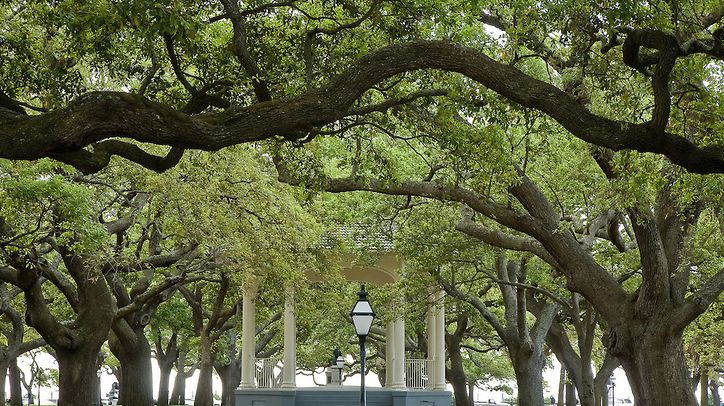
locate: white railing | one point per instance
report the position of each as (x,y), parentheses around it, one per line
(416,373)
(265,372)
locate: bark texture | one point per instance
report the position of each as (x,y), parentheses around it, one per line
(16,387)
(134,355)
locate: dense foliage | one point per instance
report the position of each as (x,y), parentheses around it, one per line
(554,166)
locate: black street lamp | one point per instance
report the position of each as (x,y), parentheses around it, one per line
(362,316)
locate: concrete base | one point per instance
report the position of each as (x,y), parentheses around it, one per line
(340,396)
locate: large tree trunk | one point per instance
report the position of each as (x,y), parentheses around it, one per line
(528,368)
(204,389)
(570,394)
(456,377)
(165,376)
(715,391)
(656,370)
(78,384)
(178,394)
(4,364)
(135,359)
(586,388)
(230,375)
(16,389)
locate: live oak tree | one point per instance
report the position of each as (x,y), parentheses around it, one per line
(468,273)
(222,201)
(137,298)
(63,251)
(213,307)
(169,331)
(575,349)
(31,232)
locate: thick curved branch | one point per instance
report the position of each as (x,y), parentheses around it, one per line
(101,115)
(668,50)
(505,240)
(65,285)
(39,316)
(480,203)
(169,283)
(90,162)
(543,321)
(30,345)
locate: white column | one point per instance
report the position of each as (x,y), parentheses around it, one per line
(248,336)
(289,370)
(439,362)
(430,328)
(389,353)
(398,359)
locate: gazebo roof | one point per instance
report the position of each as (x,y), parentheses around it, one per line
(359,235)
(383,268)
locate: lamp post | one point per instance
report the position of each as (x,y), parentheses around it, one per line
(362,316)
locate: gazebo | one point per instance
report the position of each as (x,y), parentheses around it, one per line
(408,382)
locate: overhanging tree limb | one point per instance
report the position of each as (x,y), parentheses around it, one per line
(101,115)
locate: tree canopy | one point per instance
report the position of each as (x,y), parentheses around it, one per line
(554,166)
(199,75)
